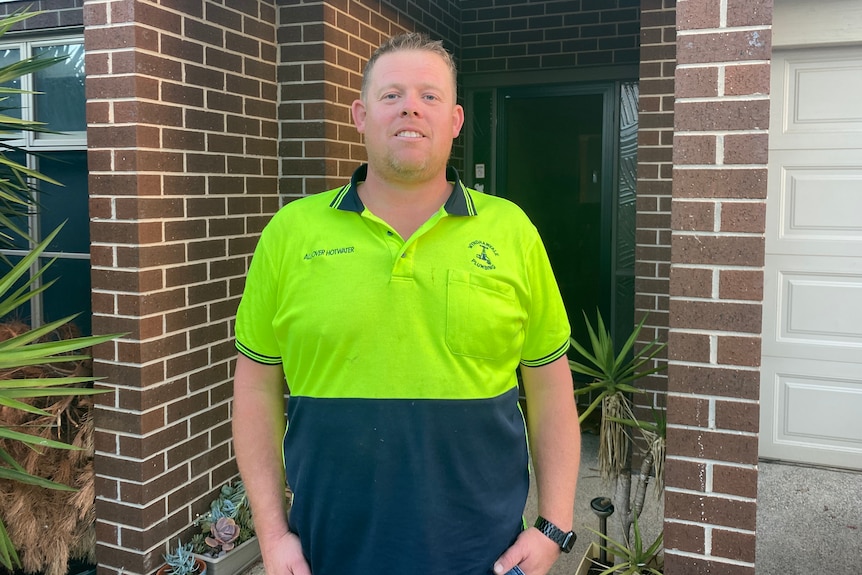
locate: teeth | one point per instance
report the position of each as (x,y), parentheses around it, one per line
(409,134)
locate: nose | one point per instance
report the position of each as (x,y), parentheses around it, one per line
(410,106)
(408,111)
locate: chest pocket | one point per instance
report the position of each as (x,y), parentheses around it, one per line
(483,316)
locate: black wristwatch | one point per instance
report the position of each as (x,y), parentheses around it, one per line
(565,540)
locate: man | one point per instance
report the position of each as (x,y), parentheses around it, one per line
(398,308)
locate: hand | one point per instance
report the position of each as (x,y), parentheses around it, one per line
(283,556)
(532,551)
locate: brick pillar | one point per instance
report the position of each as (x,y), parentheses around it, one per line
(719,195)
(183,173)
(655,169)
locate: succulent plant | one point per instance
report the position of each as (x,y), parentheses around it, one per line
(227,524)
(224,532)
(182,561)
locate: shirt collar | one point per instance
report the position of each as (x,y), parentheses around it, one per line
(459,203)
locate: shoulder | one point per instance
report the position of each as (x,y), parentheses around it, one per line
(500,210)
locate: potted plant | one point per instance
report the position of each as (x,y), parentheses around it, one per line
(613,376)
(182,562)
(632,558)
(226,541)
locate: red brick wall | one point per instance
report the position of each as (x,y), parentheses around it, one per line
(719,195)
(531,35)
(655,169)
(56,14)
(183,174)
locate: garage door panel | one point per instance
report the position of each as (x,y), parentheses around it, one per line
(817,308)
(818,207)
(815,417)
(811,386)
(813,112)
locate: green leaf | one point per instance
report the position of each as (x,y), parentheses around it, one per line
(35,440)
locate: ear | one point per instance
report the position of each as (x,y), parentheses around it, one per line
(357,109)
(457,120)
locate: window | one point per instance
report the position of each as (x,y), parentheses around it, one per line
(55,97)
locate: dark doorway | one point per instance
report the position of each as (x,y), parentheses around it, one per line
(554,161)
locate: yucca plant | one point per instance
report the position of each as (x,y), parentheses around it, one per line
(614,374)
(633,558)
(18,389)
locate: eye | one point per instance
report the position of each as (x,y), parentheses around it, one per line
(389,96)
(431,97)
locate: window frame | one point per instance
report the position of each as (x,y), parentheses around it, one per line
(29,142)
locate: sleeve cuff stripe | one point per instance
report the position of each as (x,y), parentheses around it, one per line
(560,351)
(259,358)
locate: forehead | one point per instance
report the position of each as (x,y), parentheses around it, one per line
(411,67)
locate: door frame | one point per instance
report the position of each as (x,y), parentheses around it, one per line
(605,81)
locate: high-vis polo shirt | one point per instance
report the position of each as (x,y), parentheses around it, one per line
(405,446)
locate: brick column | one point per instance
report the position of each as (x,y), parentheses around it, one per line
(183,174)
(655,169)
(719,195)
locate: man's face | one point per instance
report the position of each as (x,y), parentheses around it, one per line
(409,116)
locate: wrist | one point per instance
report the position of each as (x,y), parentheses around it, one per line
(565,540)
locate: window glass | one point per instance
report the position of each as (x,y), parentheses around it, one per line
(60,99)
(66,203)
(11,103)
(71,293)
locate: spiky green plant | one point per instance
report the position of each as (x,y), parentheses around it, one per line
(28,349)
(634,559)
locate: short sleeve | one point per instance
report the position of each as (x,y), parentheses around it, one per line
(547,328)
(255,336)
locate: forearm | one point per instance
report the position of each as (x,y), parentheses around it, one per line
(258,428)
(555,439)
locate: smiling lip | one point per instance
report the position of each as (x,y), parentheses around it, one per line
(409,134)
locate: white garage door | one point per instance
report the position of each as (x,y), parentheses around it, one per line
(811,388)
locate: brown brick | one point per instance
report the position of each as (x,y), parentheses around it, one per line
(715,316)
(740,284)
(748,13)
(685,346)
(723,115)
(684,537)
(717,250)
(698,14)
(743,217)
(737,416)
(686,565)
(733,545)
(697,82)
(694,150)
(684,474)
(733,480)
(746,148)
(705,444)
(721,381)
(720,183)
(746,79)
(693,216)
(725,47)
(736,350)
(687,410)
(691,282)
(702,508)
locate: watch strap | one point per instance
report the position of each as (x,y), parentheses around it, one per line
(566,540)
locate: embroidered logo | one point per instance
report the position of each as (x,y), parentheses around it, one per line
(329,252)
(482,252)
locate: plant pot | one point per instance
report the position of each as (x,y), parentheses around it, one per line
(589,564)
(202,568)
(234,561)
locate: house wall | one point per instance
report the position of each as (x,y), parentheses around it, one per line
(721,120)
(183,175)
(56,14)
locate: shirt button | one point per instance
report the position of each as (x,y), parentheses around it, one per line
(389,233)
(403,255)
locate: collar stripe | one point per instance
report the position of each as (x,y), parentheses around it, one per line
(459,203)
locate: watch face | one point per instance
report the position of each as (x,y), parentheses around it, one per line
(569,542)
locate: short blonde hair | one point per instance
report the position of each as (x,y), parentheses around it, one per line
(404,42)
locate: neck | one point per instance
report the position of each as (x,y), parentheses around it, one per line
(404,205)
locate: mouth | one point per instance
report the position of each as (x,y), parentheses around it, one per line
(410,134)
